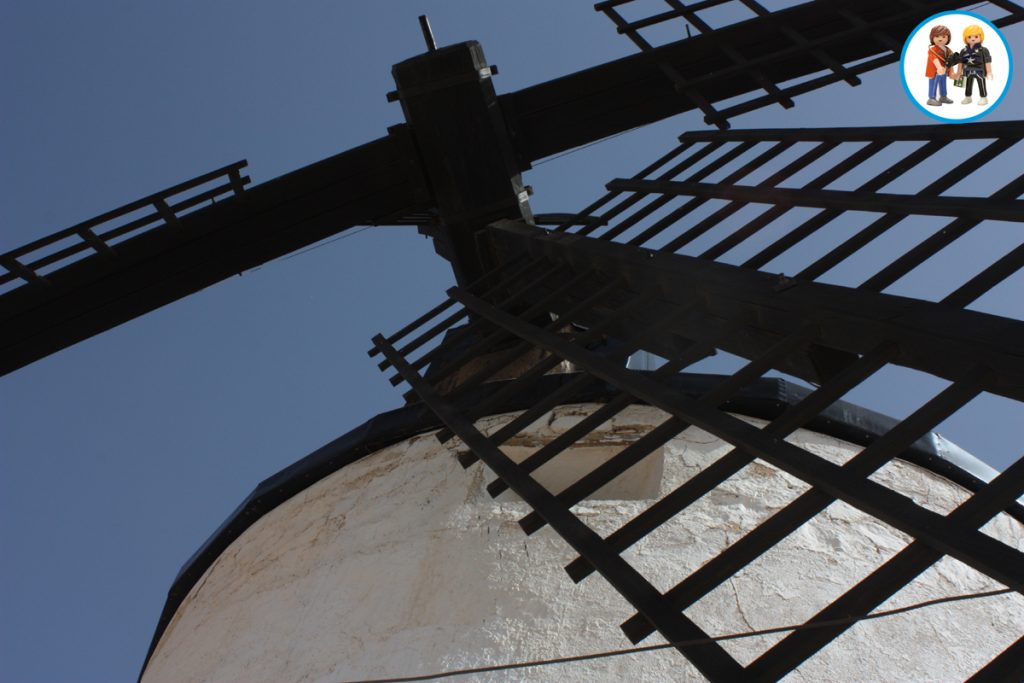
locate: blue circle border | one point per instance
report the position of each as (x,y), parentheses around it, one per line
(1009,73)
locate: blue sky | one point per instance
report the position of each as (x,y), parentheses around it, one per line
(120,455)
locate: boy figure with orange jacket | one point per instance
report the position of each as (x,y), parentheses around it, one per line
(938,56)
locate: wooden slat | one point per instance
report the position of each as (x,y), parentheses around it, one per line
(971,208)
(21,270)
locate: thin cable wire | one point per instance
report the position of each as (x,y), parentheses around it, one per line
(701,641)
(342,236)
(583,147)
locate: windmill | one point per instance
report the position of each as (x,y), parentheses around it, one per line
(441,221)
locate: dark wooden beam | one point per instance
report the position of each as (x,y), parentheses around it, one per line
(936,338)
(566,112)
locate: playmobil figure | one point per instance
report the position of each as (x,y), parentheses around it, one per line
(938,55)
(974,63)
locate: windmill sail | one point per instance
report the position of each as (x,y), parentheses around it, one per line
(122,264)
(54,296)
(606,281)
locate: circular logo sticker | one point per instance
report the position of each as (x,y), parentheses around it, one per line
(956,66)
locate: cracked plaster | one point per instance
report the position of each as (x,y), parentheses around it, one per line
(401,564)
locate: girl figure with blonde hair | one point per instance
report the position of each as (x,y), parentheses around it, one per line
(935,71)
(975,63)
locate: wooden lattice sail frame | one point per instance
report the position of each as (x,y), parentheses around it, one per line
(683,308)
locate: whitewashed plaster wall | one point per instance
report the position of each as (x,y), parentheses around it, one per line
(401,564)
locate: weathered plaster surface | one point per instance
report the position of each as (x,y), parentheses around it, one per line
(401,564)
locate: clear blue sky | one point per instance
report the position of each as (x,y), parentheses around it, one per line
(120,455)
